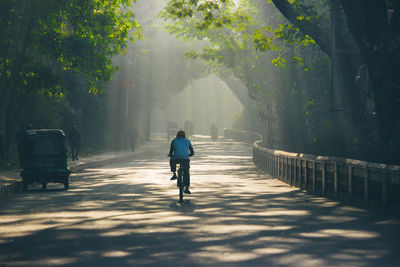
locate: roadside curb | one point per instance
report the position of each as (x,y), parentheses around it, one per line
(15,187)
(11,188)
(100,163)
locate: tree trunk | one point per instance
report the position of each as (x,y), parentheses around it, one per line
(10,105)
(346,66)
(378,42)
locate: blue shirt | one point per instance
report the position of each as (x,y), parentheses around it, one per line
(180,148)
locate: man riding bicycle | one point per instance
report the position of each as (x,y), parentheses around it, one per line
(180,151)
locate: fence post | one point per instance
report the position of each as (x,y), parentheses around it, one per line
(271,167)
(290,171)
(265,154)
(350,182)
(323,178)
(335,179)
(287,170)
(272,164)
(366,187)
(384,190)
(287,167)
(295,172)
(269,162)
(300,172)
(278,167)
(306,175)
(313,175)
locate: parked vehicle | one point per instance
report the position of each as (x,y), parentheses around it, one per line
(44,158)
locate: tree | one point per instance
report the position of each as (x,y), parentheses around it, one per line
(43,41)
(373,45)
(376,28)
(237,45)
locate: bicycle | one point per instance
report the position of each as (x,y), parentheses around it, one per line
(179,181)
(183,163)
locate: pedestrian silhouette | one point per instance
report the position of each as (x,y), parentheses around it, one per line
(1,145)
(132,136)
(214,132)
(75,141)
(19,137)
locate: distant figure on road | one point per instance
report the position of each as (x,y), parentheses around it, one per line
(19,137)
(75,141)
(172,128)
(188,128)
(132,137)
(180,151)
(214,132)
(1,145)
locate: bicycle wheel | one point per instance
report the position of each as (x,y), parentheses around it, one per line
(180,184)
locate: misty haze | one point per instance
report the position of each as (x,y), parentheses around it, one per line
(199,133)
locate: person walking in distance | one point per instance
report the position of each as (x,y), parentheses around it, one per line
(1,146)
(19,137)
(132,136)
(75,141)
(214,132)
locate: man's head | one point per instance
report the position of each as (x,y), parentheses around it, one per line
(181,134)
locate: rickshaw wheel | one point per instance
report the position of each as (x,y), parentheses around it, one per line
(66,185)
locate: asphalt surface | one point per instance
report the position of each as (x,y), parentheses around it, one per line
(128,215)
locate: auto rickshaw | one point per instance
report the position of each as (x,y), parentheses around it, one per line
(44,158)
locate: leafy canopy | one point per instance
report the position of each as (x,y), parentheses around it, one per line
(232,28)
(41,40)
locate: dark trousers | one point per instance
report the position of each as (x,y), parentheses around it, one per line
(74,152)
(185,163)
(132,143)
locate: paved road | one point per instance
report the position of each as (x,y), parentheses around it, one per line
(127,215)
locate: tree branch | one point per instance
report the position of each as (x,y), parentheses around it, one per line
(321,38)
(367,19)
(395,24)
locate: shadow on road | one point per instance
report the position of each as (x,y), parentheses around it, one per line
(128,214)
(186,206)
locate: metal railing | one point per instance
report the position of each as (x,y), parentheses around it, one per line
(339,178)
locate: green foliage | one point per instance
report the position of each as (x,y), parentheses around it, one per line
(279,62)
(281,66)
(54,52)
(207,12)
(43,39)
(231,28)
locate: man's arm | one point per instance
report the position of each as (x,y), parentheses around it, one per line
(191,149)
(171,149)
